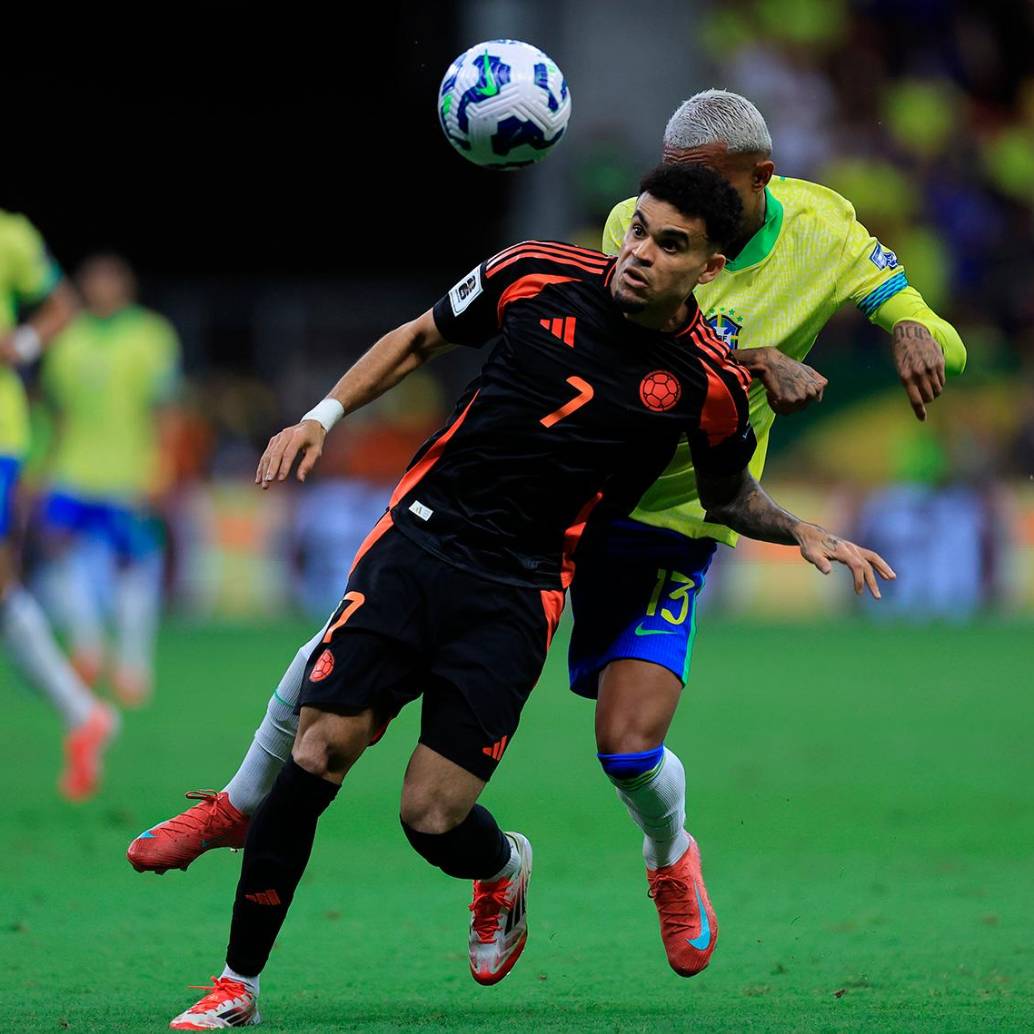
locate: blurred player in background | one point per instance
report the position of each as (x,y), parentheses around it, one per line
(31,281)
(800,256)
(107,377)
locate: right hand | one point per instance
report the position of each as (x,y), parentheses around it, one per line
(304,439)
(790,385)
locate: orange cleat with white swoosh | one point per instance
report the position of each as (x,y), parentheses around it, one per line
(689,928)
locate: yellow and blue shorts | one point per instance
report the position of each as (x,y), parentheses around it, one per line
(634,597)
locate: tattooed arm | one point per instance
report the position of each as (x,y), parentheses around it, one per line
(740,503)
(790,385)
(919,362)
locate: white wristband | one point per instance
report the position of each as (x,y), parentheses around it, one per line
(26,343)
(328,413)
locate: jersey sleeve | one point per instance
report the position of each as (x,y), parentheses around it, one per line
(617,226)
(472,312)
(468,315)
(868,273)
(722,441)
(34,273)
(909,305)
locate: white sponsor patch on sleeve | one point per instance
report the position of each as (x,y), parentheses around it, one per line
(466,291)
(883,258)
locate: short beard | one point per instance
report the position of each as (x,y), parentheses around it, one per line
(628,305)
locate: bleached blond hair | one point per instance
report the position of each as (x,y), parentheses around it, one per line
(718,116)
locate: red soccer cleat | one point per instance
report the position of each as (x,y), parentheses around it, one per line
(84,749)
(689,928)
(176,842)
(229,1003)
(499,920)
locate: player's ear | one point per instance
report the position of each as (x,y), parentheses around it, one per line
(715,264)
(761,174)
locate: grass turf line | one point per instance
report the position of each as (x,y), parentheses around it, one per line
(863,810)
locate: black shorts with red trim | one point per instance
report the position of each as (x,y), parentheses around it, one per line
(411,625)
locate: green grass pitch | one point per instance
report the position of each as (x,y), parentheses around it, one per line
(865,815)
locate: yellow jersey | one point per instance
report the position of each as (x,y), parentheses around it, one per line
(104,376)
(27,275)
(810,257)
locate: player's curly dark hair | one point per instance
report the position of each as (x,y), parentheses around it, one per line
(697,192)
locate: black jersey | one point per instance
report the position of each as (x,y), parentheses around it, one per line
(575,406)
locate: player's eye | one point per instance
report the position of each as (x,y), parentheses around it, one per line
(638,230)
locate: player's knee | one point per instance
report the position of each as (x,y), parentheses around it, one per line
(426,812)
(319,751)
(628,740)
(622,766)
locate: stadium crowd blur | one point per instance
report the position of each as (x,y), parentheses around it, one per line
(922,114)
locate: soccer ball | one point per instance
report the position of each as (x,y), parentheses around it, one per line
(503,104)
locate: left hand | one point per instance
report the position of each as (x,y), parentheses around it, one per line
(790,385)
(820,548)
(919,362)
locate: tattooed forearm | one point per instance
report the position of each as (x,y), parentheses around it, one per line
(754,513)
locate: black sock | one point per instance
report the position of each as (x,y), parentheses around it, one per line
(276,852)
(476,849)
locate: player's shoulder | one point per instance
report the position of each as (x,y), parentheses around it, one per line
(621,213)
(547,258)
(149,318)
(811,201)
(16,227)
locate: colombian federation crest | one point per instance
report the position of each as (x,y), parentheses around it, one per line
(725,323)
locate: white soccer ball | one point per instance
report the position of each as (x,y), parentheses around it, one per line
(503,104)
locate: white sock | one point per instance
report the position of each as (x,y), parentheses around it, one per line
(657,804)
(511,868)
(75,605)
(138,594)
(271,746)
(31,645)
(251,983)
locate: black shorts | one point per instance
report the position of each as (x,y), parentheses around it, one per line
(411,625)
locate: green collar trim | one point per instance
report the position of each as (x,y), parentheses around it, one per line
(758,247)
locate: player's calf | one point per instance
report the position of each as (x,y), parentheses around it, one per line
(500,866)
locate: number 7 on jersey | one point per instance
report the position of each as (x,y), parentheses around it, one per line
(585,393)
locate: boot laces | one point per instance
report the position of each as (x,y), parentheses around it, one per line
(489,900)
(221,991)
(195,819)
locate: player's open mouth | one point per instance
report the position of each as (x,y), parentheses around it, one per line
(634,277)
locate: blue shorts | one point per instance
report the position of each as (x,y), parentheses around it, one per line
(129,533)
(634,596)
(9,467)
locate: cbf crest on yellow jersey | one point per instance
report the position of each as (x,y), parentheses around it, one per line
(809,258)
(27,275)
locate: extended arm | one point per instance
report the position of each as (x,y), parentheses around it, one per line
(740,503)
(392,358)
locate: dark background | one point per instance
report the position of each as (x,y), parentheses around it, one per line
(242,141)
